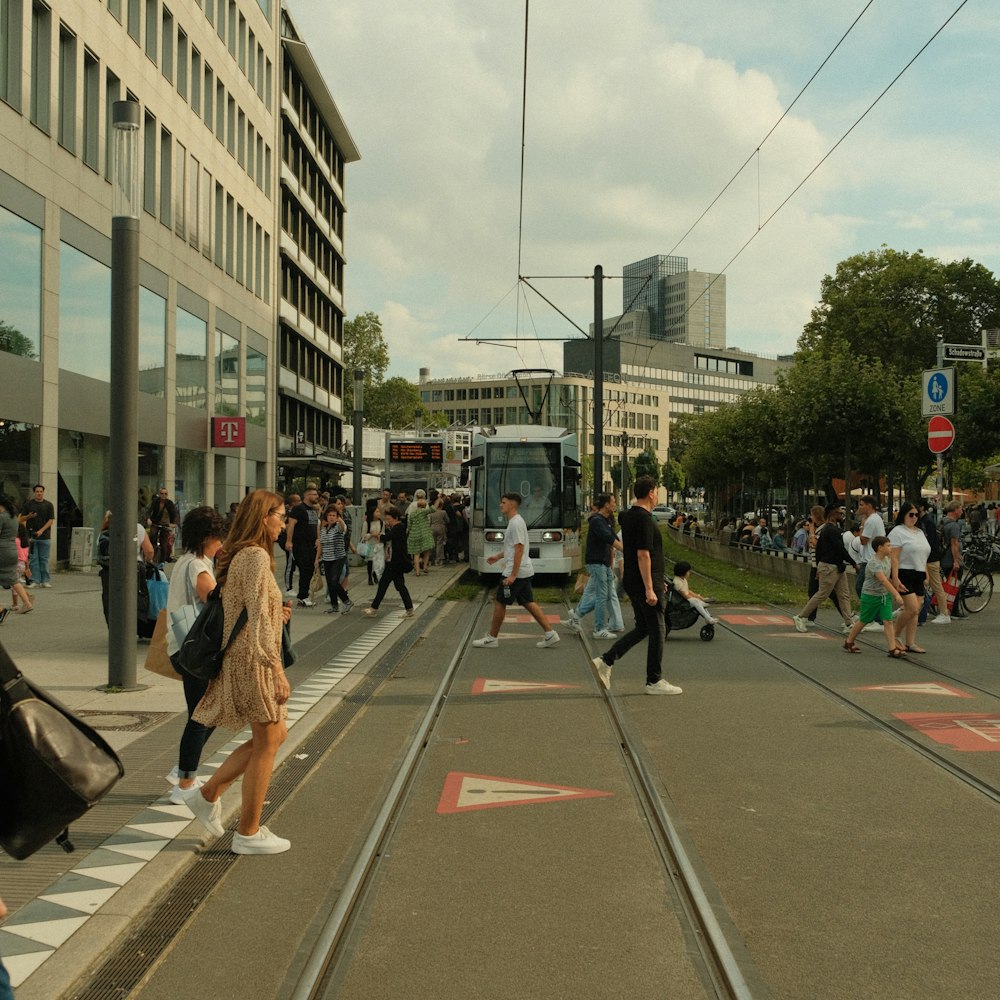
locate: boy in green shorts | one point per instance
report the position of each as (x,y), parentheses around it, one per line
(877,594)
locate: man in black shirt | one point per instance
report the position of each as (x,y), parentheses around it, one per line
(39,516)
(300,540)
(644,584)
(831,571)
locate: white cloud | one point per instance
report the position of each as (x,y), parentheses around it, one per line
(638,113)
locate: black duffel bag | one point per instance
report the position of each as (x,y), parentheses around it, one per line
(53,767)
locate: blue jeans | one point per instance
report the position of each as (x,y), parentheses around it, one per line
(39,560)
(615,609)
(595,595)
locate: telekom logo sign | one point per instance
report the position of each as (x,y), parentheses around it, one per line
(229,432)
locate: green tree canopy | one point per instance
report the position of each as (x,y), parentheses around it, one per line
(365,348)
(393,403)
(12,341)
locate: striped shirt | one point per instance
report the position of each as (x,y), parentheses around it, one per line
(331,540)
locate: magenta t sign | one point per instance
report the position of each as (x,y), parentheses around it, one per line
(229,432)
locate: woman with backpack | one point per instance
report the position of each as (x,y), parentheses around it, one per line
(251,689)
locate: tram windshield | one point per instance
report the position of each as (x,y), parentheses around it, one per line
(534,471)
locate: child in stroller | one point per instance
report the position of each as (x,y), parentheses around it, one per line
(685,607)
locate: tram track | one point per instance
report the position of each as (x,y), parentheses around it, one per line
(985,788)
(725,976)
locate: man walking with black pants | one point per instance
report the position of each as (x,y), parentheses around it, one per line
(644,584)
(300,539)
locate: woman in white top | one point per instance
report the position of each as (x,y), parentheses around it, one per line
(191,581)
(682,571)
(910,550)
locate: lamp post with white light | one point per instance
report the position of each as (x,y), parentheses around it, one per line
(359,413)
(126,205)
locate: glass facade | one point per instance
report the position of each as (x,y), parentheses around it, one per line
(20,286)
(191,353)
(189,479)
(255,386)
(152,342)
(84,314)
(227,375)
(18,459)
(83,485)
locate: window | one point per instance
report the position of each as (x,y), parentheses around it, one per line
(267,83)
(152,27)
(149,163)
(41,65)
(112,93)
(220,17)
(134,16)
(231,125)
(241,42)
(220,112)
(232,28)
(67,89)
(205,212)
(84,307)
(91,109)
(220,221)
(267,267)
(152,342)
(115,9)
(180,190)
(166,177)
(182,64)
(241,137)
(196,81)
(240,248)
(191,351)
(194,202)
(10,52)
(167,45)
(21,287)
(230,224)
(267,171)
(209,92)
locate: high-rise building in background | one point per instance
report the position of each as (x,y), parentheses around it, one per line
(680,306)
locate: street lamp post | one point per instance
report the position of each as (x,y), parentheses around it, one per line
(126,206)
(359,409)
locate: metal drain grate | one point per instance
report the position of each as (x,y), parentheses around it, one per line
(136,954)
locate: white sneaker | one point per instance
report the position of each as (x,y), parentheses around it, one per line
(845,629)
(551,638)
(800,623)
(602,671)
(306,603)
(177,793)
(347,607)
(662,687)
(174,776)
(209,814)
(261,842)
(941,620)
(873,627)
(487,641)
(897,613)
(603,633)
(712,621)
(572,623)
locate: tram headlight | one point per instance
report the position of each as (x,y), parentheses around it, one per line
(551,536)
(493,536)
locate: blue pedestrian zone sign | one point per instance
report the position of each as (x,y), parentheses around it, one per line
(938,396)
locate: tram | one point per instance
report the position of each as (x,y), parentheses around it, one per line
(542,464)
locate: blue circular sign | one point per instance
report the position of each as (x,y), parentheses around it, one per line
(937,387)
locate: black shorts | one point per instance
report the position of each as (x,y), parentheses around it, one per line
(520,593)
(913,580)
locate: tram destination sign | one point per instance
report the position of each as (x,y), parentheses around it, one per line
(417,452)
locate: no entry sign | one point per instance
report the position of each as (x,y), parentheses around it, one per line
(940,434)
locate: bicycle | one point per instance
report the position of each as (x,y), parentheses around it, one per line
(976,589)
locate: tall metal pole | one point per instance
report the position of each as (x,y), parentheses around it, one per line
(598,484)
(124,396)
(359,410)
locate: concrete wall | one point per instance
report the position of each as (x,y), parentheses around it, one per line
(780,565)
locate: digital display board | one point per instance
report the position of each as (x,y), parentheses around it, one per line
(416,452)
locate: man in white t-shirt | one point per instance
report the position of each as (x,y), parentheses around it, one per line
(872,526)
(515,577)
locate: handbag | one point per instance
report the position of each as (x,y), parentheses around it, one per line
(950,586)
(157,658)
(364,550)
(582,578)
(202,650)
(53,767)
(288,654)
(159,590)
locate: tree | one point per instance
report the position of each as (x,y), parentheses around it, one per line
(672,476)
(647,464)
(895,305)
(365,348)
(12,341)
(393,403)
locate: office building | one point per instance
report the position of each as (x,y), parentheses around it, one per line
(221,120)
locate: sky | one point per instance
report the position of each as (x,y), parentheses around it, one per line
(637,115)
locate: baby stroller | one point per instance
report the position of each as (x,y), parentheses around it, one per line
(680,615)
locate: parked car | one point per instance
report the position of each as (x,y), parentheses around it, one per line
(663,512)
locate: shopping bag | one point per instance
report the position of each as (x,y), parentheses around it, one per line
(582,579)
(159,589)
(157,658)
(950,585)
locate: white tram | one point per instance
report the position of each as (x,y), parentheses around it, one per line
(542,464)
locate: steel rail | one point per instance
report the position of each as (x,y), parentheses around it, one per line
(323,954)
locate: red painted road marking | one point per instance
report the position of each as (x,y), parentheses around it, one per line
(758,620)
(522,619)
(798,635)
(484,685)
(946,690)
(467,792)
(969,731)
